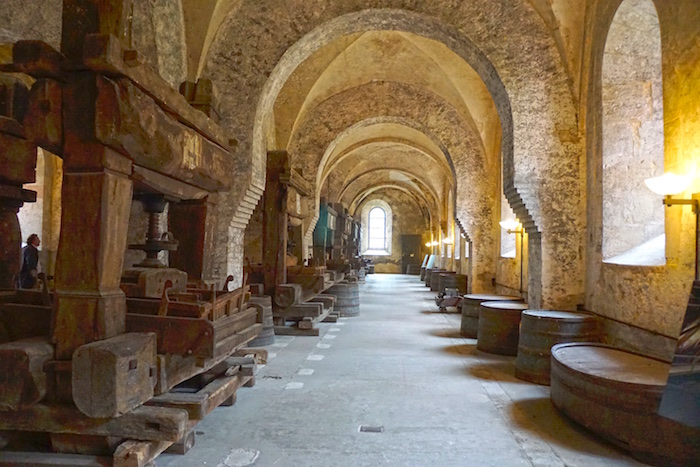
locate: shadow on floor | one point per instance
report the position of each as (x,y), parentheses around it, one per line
(540,417)
(448,333)
(461,350)
(496,371)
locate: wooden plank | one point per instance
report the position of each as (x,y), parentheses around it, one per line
(112,376)
(295,331)
(42,459)
(275,223)
(22,376)
(25,321)
(183,445)
(260,355)
(142,423)
(133,453)
(37,59)
(229,325)
(176,335)
(300,311)
(19,160)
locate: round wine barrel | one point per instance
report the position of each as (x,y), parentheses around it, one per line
(452,280)
(616,394)
(470,311)
(436,280)
(499,327)
(347,299)
(361,275)
(263,304)
(429,276)
(540,330)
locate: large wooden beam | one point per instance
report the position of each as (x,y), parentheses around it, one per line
(142,423)
(275,222)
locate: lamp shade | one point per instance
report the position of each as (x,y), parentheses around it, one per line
(511,224)
(668,184)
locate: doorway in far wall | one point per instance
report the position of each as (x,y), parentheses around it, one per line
(410,251)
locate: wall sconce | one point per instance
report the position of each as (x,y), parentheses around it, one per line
(435,243)
(670,184)
(447,241)
(512,226)
(428,244)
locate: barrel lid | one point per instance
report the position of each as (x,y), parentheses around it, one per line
(560,315)
(505,305)
(488,297)
(612,364)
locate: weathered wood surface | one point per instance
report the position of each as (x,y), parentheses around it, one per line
(82,444)
(132,123)
(112,376)
(43,459)
(275,223)
(174,369)
(133,453)
(20,321)
(43,123)
(142,423)
(469,326)
(22,377)
(315,284)
(37,59)
(616,394)
(19,160)
(287,295)
(104,54)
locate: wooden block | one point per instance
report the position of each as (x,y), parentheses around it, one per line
(142,423)
(230,401)
(43,123)
(19,160)
(250,383)
(22,376)
(84,444)
(287,295)
(306,323)
(183,445)
(113,376)
(295,331)
(260,355)
(138,453)
(201,403)
(37,59)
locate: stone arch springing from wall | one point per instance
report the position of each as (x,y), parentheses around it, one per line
(633,140)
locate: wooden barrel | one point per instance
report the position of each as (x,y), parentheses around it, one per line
(413,269)
(616,394)
(540,330)
(470,311)
(263,304)
(452,280)
(499,327)
(347,299)
(437,281)
(429,276)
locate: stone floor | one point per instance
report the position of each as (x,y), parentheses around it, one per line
(401,366)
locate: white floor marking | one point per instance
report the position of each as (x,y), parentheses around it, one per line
(280,344)
(340,324)
(306,372)
(294,385)
(334,330)
(271,355)
(323,346)
(329,336)
(315,357)
(240,458)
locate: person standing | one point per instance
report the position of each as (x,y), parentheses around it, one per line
(30,263)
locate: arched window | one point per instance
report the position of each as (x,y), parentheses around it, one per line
(376,236)
(377,229)
(633,136)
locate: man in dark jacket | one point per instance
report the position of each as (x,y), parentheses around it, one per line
(30,263)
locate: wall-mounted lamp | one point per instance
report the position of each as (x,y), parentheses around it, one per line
(447,241)
(435,243)
(512,226)
(428,244)
(670,184)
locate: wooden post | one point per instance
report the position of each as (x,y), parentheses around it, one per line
(191,223)
(275,222)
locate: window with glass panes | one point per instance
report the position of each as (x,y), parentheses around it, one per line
(377,229)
